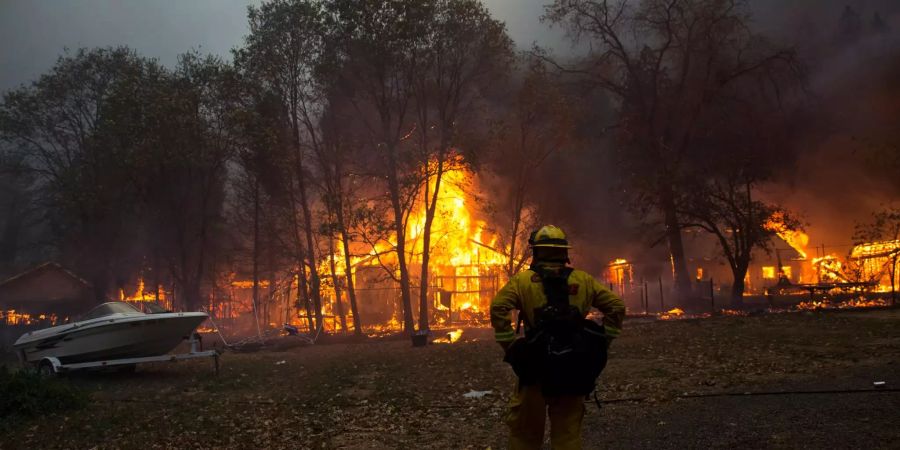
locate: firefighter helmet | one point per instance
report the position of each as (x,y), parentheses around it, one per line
(549,236)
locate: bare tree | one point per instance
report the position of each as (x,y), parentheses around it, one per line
(667,62)
(183,178)
(281,52)
(466,50)
(376,53)
(339,190)
(540,121)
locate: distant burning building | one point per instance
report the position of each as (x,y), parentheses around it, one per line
(43,296)
(44,293)
(875,261)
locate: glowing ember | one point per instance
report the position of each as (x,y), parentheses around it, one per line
(389,327)
(675,313)
(852,303)
(454,336)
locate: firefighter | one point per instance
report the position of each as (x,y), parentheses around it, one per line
(553,300)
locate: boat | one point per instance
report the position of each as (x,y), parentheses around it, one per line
(110,331)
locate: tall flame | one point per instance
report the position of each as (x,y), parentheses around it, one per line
(464,263)
(797,239)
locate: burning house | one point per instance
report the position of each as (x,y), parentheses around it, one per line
(42,296)
(45,293)
(466,268)
(877,262)
(789,273)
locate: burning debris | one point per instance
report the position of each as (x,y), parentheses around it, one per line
(450,338)
(847,304)
(877,261)
(675,313)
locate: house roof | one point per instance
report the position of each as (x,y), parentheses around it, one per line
(47,266)
(786,250)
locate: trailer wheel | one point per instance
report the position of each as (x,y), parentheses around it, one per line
(45,369)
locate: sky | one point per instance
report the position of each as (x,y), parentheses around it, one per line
(34,32)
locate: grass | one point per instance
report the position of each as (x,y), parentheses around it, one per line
(25,395)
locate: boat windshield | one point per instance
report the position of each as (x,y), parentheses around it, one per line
(152,308)
(110,308)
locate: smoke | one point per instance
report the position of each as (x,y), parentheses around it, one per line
(854,103)
(854,81)
(855,84)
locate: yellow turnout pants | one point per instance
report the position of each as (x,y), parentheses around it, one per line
(527,412)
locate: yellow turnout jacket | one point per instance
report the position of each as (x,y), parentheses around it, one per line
(525,292)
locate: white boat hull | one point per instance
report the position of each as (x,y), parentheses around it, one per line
(112,337)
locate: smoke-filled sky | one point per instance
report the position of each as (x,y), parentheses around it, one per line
(828,187)
(34,32)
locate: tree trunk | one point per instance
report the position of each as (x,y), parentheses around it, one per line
(256,251)
(737,287)
(302,287)
(339,305)
(345,243)
(270,296)
(310,246)
(351,290)
(9,239)
(893,277)
(676,247)
(286,316)
(399,229)
(430,210)
(156,276)
(307,216)
(303,294)
(191,294)
(517,222)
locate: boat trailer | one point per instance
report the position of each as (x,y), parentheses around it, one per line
(52,365)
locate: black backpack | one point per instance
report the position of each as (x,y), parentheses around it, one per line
(563,351)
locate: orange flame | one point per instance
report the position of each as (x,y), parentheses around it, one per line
(464,261)
(12,317)
(797,239)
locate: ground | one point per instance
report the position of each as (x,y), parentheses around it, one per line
(669,384)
